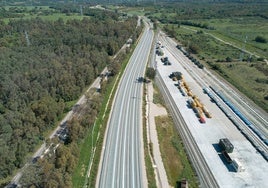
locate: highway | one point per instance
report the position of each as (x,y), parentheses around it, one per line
(122,155)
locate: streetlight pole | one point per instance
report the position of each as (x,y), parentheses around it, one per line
(92,141)
(91,156)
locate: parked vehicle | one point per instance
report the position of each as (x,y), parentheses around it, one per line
(226,145)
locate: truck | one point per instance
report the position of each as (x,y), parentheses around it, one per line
(237,166)
(226,145)
(184,183)
(178,75)
(227,157)
(164,59)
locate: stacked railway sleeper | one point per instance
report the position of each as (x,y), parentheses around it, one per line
(199,108)
(193,101)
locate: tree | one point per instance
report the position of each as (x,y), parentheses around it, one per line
(32,176)
(37,81)
(193,49)
(114,68)
(75,130)
(150,73)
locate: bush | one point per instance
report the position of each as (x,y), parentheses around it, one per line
(260,59)
(228,59)
(260,39)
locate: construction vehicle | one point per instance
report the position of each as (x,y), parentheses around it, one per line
(226,145)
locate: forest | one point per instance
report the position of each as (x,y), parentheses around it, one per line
(44,65)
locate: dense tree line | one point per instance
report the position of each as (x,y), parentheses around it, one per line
(55,170)
(185,11)
(43,65)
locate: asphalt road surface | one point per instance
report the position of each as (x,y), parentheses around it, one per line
(122,156)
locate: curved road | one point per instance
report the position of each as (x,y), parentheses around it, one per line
(122,159)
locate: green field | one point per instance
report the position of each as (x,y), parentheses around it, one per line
(250,75)
(241,31)
(43,12)
(249,80)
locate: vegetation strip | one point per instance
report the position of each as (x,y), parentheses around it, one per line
(176,162)
(147,147)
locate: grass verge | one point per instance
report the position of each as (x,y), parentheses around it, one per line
(173,153)
(158,99)
(147,148)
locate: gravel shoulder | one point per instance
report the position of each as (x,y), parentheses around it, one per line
(153,111)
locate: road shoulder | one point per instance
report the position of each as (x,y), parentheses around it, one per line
(154,110)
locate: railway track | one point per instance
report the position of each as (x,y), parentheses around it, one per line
(244,129)
(205,82)
(258,119)
(203,171)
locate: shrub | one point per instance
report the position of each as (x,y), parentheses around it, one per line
(260,39)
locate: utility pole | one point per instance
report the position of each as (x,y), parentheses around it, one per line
(81,10)
(243,49)
(27,38)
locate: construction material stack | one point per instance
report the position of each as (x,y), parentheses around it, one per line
(193,101)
